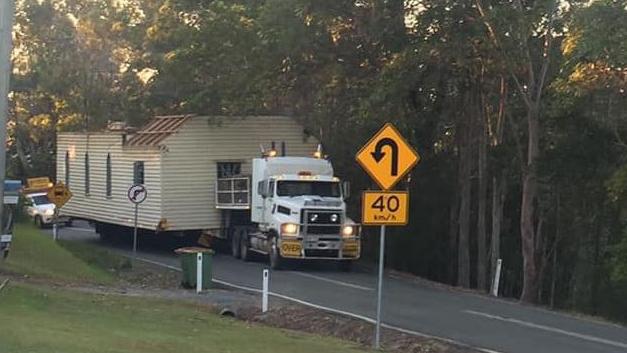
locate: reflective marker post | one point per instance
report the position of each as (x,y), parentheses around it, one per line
(497,278)
(377,336)
(199,273)
(264,295)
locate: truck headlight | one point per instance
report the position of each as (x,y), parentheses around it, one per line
(49,212)
(348,231)
(289,229)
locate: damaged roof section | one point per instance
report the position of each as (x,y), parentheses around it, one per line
(157,130)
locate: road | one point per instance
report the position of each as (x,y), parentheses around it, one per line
(490,324)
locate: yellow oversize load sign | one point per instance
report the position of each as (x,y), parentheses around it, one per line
(387,157)
(59,194)
(385,208)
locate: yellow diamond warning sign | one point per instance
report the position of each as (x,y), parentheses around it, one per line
(59,194)
(385,208)
(387,157)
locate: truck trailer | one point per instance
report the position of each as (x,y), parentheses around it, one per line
(258,182)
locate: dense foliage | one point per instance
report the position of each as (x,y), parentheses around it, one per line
(517,107)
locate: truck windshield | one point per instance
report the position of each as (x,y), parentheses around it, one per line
(300,188)
(40,200)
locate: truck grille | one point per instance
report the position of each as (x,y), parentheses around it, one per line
(321,222)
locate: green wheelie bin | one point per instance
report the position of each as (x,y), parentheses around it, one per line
(189,260)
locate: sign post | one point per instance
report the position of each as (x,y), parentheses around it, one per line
(59,195)
(387,158)
(136,194)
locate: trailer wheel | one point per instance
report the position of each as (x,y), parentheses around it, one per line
(244,251)
(235,245)
(276,261)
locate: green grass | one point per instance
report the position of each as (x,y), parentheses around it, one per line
(37,320)
(37,255)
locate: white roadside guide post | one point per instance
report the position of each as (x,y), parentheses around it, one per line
(136,194)
(264,295)
(387,158)
(497,278)
(199,272)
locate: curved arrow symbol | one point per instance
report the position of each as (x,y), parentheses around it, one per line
(378,153)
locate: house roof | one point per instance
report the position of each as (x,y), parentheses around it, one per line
(157,130)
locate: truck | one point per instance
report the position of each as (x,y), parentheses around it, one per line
(213,179)
(298,212)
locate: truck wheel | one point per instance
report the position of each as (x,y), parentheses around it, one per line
(276,261)
(39,222)
(243,249)
(235,245)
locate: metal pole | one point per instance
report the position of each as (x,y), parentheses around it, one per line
(55,229)
(377,336)
(264,295)
(7,11)
(135,234)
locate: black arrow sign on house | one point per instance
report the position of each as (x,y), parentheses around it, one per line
(378,153)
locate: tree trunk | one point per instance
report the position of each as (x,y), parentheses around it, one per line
(528,210)
(481,207)
(463,249)
(452,236)
(498,201)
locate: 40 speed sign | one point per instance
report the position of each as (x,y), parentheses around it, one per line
(385,208)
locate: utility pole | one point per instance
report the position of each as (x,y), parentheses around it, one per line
(7,12)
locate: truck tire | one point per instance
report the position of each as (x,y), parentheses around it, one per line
(244,251)
(235,244)
(276,261)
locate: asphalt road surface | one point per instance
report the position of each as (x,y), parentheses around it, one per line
(490,324)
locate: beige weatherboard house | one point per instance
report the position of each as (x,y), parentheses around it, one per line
(179,159)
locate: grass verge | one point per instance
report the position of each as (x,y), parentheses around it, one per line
(36,255)
(38,320)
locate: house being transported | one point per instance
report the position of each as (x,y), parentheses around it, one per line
(179,159)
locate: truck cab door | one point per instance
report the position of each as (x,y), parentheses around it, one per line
(268,202)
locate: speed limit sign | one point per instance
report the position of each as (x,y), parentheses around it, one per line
(385,208)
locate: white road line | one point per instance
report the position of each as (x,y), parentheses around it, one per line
(335,311)
(339,283)
(549,328)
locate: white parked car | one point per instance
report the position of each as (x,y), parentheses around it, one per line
(39,208)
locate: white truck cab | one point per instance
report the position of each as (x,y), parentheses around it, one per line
(298,212)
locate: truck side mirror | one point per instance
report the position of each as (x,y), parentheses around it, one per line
(346,189)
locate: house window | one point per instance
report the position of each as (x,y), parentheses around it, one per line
(229,169)
(86,174)
(138,172)
(108,191)
(67,168)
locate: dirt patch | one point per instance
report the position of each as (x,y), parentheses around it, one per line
(300,318)
(144,275)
